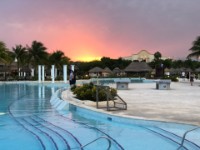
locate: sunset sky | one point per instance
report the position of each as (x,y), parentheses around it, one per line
(89,29)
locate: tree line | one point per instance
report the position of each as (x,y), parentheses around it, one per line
(36,54)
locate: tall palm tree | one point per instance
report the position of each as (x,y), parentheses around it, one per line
(195,48)
(3,52)
(58,58)
(5,57)
(20,54)
(37,53)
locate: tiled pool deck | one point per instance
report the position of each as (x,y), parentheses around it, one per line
(180,104)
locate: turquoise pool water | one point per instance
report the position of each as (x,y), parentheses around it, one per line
(29,122)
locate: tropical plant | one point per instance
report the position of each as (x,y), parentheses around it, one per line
(20,54)
(5,57)
(88,92)
(3,52)
(157,56)
(58,59)
(195,48)
(37,54)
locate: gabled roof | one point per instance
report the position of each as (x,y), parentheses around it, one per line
(143,51)
(138,67)
(95,70)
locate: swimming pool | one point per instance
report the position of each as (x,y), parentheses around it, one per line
(28,121)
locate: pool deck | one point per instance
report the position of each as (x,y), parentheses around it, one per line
(180,104)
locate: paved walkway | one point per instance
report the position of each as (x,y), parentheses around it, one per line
(179,104)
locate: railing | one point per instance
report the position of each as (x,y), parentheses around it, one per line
(184,136)
(117,105)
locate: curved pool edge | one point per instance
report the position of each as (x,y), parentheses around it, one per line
(66,101)
(67,98)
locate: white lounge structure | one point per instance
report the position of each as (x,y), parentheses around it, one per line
(41,73)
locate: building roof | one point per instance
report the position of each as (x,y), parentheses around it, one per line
(116,70)
(138,67)
(197,70)
(107,70)
(95,70)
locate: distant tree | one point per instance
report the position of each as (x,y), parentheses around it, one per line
(37,54)
(58,58)
(158,65)
(167,63)
(5,56)
(107,62)
(195,48)
(20,53)
(157,60)
(177,64)
(3,52)
(190,64)
(157,56)
(121,63)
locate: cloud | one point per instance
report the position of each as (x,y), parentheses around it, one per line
(15,25)
(121,27)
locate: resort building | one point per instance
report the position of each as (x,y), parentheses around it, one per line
(143,55)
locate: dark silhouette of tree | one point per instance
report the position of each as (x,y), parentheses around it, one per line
(3,52)
(21,55)
(58,59)
(37,54)
(195,49)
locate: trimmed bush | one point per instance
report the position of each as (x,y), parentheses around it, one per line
(88,92)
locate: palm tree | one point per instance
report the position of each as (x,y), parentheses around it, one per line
(20,54)
(3,52)
(195,48)
(5,57)
(37,53)
(58,58)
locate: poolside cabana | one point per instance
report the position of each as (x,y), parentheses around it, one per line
(95,72)
(106,72)
(138,68)
(118,72)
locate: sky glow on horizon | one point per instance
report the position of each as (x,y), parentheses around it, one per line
(90,29)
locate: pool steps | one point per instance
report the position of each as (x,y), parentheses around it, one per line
(72,139)
(159,131)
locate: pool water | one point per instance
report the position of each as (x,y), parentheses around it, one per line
(29,122)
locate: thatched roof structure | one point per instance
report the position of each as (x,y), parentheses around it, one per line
(197,70)
(107,70)
(95,70)
(138,67)
(117,70)
(179,70)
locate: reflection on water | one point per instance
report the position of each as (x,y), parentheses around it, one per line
(2,113)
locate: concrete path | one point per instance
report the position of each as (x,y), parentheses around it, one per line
(179,104)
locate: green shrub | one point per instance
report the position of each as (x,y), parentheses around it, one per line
(88,92)
(172,78)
